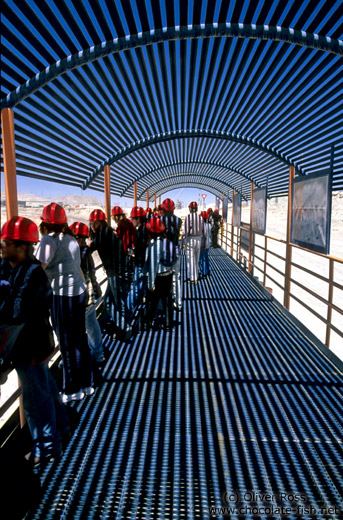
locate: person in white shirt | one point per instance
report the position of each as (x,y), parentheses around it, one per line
(192,240)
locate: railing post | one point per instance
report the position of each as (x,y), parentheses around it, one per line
(107,192)
(135,194)
(251,235)
(288,267)
(232,226)
(265,261)
(330,299)
(10,172)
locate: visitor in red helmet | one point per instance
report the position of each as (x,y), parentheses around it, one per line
(204,262)
(59,255)
(26,298)
(173,227)
(161,256)
(216,223)
(193,240)
(93,329)
(113,257)
(138,285)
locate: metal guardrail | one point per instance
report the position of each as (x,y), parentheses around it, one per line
(231,241)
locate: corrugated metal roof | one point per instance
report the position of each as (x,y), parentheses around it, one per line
(169,87)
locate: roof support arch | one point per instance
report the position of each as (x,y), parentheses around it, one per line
(215,30)
(206,163)
(180,134)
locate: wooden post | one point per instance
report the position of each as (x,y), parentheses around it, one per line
(147,197)
(159,200)
(155,201)
(287,289)
(232,226)
(107,191)
(135,194)
(330,298)
(10,172)
(251,235)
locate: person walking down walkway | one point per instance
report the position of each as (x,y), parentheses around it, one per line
(216,218)
(192,239)
(112,254)
(59,254)
(204,262)
(138,286)
(81,232)
(161,257)
(173,226)
(26,298)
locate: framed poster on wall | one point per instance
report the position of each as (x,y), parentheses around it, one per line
(259,210)
(237,206)
(311,212)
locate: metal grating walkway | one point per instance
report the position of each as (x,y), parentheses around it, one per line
(234,400)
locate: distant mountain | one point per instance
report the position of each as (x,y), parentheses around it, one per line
(70,200)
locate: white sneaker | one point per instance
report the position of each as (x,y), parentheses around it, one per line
(66,398)
(88,391)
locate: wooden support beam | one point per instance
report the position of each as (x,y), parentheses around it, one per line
(155,201)
(107,191)
(135,194)
(159,200)
(10,172)
(147,197)
(288,267)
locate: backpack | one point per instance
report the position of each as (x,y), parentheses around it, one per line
(169,253)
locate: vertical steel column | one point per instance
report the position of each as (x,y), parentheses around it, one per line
(251,234)
(232,226)
(147,197)
(107,191)
(288,267)
(10,172)
(135,194)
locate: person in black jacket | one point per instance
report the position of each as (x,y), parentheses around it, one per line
(26,298)
(112,254)
(138,285)
(173,226)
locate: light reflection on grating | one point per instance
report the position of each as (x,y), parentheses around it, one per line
(235,398)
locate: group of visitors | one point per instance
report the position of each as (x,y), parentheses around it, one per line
(57,280)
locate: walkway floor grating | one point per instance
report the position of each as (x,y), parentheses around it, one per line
(234,408)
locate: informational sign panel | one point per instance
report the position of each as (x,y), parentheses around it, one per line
(225,203)
(259,210)
(311,212)
(237,203)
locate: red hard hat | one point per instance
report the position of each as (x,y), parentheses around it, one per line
(20,228)
(210,210)
(79,229)
(137,211)
(193,205)
(53,213)
(168,205)
(216,210)
(203,214)
(155,225)
(116,210)
(96,214)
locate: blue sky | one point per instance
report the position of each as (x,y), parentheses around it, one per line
(54,190)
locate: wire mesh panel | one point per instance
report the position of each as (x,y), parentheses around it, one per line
(234,413)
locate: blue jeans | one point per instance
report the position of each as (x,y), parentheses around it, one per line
(138,288)
(46,416)
(94,334)
(115,301)
(204,262)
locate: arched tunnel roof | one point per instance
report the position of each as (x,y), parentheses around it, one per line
(171,93)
